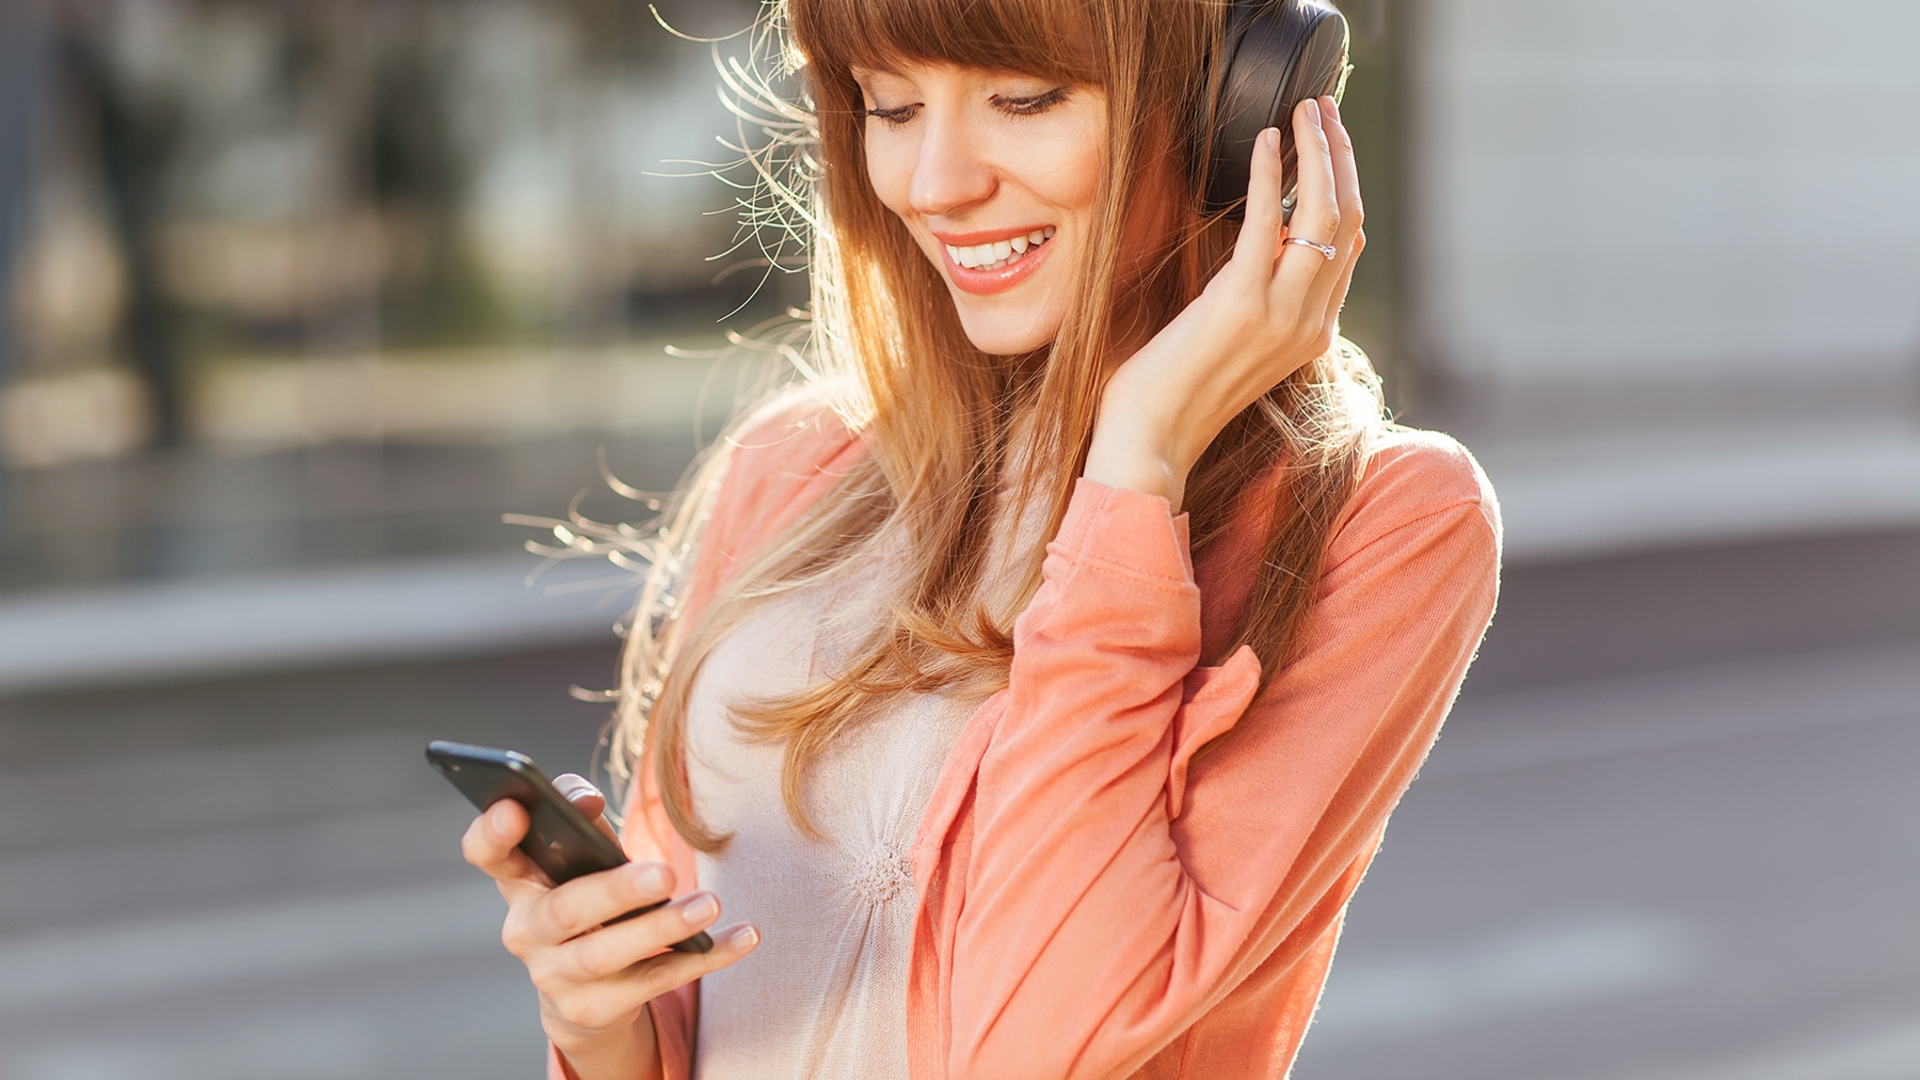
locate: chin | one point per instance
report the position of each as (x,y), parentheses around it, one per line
(1009,333)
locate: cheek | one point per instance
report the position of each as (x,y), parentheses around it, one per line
(890,171)
(1073,181)
(1065,160)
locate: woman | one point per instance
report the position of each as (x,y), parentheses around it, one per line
(996,806)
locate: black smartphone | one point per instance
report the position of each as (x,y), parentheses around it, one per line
(560,840)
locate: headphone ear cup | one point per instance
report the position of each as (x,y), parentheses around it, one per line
(1274,54)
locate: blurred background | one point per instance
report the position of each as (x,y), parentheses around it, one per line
(297,299)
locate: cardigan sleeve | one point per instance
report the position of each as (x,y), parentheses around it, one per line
(1117,886)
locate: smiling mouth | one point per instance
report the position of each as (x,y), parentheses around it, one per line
(1001,253)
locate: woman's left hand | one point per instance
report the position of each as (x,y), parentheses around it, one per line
(1270,311)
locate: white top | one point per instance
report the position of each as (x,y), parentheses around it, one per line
(825,994)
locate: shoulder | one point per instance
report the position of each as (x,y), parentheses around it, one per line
(1418,487)
(788,438)
(1422,507)
(775,461)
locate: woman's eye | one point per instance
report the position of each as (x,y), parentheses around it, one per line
(1028,106)
(895,116)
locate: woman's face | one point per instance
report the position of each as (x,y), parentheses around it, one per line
(995,174)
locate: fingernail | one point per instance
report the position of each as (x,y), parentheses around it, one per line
(1271,137)
(1313,111)
(1333,108)
(744,938)
(700,908)
(573,786)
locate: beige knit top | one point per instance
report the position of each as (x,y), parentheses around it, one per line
(825,993)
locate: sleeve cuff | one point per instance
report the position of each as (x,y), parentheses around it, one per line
(1123,529)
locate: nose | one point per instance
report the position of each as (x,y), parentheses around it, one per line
(950,173)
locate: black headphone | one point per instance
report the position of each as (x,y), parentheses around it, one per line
(1275,54)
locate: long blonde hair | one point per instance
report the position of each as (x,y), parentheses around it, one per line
(886,352)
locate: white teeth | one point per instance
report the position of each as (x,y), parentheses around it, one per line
(999,253)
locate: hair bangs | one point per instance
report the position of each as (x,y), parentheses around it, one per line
(1038,37)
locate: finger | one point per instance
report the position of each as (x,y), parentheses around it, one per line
(602,953)
(1346,169)
(1337,297)
(1316,214)
(1265,218)
(594,899)
(491,843)
(670,971)
(601,1004)
(581,793)
(587,799)
(1328,289)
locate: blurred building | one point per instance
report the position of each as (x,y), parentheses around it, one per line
(1689,199)
(1663,263)
(211,189)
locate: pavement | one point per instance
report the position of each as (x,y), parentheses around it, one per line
(305,617)
(259,877)
(1706,874)
(1576,497)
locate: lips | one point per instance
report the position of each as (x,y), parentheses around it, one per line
(994,261)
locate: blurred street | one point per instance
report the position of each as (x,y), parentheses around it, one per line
(261,878)
(1671,831)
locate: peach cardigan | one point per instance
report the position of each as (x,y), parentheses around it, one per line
(1095,900)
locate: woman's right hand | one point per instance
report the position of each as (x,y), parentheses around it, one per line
(1271,310)
(595,980)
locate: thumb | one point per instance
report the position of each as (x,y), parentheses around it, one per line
(587,799)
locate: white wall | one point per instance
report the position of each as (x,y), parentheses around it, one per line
(1608,189)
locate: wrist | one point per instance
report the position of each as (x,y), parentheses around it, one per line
(1138,452)
(629,1052)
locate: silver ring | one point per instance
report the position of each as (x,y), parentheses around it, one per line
(1327,250)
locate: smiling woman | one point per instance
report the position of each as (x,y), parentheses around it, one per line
(1038,679)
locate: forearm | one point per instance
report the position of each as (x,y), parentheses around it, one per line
(1076,782)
